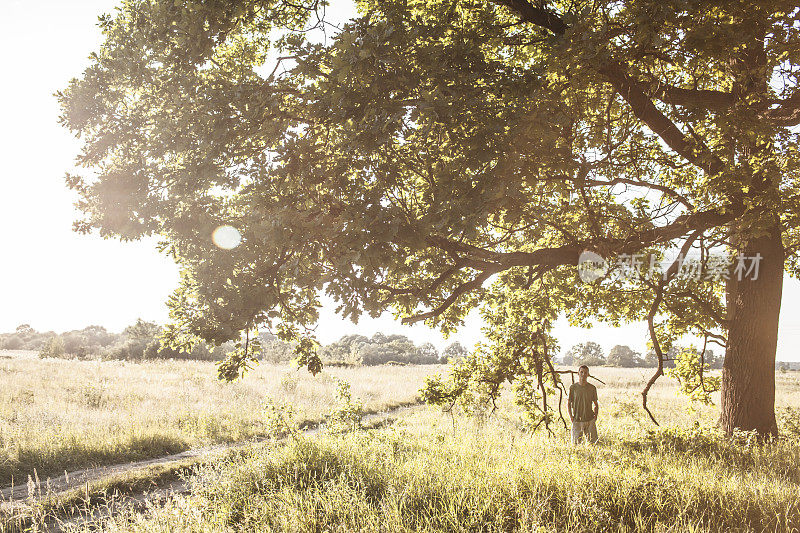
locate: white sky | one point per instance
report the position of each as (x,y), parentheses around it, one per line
(55,279)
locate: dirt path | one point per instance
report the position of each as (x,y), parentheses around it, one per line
(18,494)
(16,498)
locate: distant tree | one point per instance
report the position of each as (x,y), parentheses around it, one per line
(12,342)
(31,339)
(383,349)
(427,354)
(380,349)
(138,342)
(52,348)
(274,350)
(454,351)
(75,343)
(623,356)
(142,330)
(568,358)
(586,353)
(25,331)
(714,361)
(673,353)
(97,336)
(651,358)
(345,350)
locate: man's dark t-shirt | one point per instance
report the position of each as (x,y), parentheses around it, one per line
(582,397)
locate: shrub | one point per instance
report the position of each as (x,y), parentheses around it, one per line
(53,348)
(347,414)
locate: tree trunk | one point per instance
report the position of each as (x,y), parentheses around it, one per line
(748,374)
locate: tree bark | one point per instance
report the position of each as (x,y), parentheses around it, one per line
(748,374)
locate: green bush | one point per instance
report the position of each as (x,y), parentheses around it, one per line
(347,414)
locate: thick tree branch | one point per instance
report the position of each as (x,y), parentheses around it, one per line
(491,262)
(632,90)
(694,98)
(464,288)
(568,254)
(536,15)
(787,113)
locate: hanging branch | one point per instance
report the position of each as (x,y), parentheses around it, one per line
(541,338)
(660,370)
(540,378)
(668,275)
(555,375)
(703,363)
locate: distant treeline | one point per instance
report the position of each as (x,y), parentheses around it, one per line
(381,349)
(591,354)
(140,342)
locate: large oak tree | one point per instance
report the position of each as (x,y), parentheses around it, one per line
(433,156)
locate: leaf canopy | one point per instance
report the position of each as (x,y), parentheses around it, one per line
(430,157)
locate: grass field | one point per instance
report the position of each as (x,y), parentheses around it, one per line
(429,472)
(58,415)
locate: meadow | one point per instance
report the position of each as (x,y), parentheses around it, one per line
(58,415)
(429,471)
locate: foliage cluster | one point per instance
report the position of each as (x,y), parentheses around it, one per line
(691,370)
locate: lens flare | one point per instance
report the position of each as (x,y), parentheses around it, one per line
(226,237)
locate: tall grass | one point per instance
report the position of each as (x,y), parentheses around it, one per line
(426,476)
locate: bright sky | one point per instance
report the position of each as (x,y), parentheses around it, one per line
(54,279)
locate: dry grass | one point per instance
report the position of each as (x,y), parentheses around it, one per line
(58,415)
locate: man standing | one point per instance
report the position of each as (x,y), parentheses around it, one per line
(583,407)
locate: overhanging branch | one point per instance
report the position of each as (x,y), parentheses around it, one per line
(489,262)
